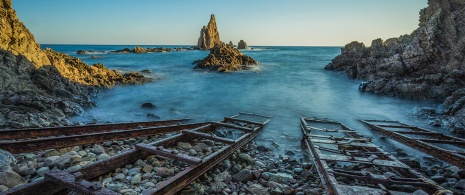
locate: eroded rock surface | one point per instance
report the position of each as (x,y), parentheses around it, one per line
(209,35)
(242,45)
(427,64)
(225,58)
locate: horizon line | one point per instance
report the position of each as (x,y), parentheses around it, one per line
(93,44)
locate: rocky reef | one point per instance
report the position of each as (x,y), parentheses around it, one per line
(42,87)
(225,58)
(209,35)
(242,45)
(428,64)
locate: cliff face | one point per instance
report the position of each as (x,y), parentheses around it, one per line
(209,35)
(427,64)
(15,37)
(43,87)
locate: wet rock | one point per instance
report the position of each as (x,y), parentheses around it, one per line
(289,153)
(146,71)
(257,189)
(243,176)
(460,184)
(225,59)
(243,157)
(148,105)
(298,170)
(136,179)
(81,52)
(256,174)
(24,170)
(11,179)
(6,160)
(263,149)
(98,149)
(41,172)
(164,172)
(119,177)
(152,116)
(439,179)
(314,191)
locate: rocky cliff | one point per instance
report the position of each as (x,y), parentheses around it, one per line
(43,87)
(15,37)
(242,45)
(427,64)
(225,58)
(209,35)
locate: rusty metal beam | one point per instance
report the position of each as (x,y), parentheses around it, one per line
(9,134)
(441,153)
(169,154)
(209,136)
(75,183)
(74,140)
(230,119)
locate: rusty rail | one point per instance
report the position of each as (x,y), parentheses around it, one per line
(78,180)
(10,134)
(29,145)
(333,147)
(422,140)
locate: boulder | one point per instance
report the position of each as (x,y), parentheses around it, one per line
(209,35)
(242,45)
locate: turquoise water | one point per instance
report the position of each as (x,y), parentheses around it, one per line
(289,83)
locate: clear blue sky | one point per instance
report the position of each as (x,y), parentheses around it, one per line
(258,22)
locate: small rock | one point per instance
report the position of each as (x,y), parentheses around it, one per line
(3,188)
(134,171)
(41,172)
(69,159)
(164,172)
(119,177)
(51,161)
(148,105)
(146,71)
(460,184)
(146,176)
(257,189)
(24,170)
(136,179)
(314,191)
(306,174)
(103,156)
(140,163)
(98,149)
(184,146)
(192,152)
(152,116)
(51,153)
(150,185)
(147,168)
(298,170)
(243,157)
(263,149)
(439,179)
(243,176)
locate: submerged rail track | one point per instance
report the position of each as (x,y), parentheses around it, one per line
(447,148)
(349,163)
(80,181)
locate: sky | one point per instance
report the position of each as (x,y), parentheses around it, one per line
(178,22)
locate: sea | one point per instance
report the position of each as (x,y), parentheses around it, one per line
(289,82)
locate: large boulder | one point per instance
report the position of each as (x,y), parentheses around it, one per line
(209,35)
(225,58)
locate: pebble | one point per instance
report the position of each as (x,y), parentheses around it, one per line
(41,172)
(119,177)
(136,179)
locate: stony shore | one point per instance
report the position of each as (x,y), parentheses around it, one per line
(254,169)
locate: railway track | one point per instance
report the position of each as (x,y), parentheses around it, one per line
(447,148)
(238,130)
(35,139)
(349,163)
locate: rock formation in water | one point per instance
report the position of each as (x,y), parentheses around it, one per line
(209,35)
(427,64)
(225,58)
(242,45)
(15,37)
(43,87)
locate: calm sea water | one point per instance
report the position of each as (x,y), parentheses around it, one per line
(289,83)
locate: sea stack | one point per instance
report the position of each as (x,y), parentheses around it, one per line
(209,35)
(427,64)
(242,45)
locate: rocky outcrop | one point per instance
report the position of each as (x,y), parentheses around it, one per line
(225,58)
(242,45)
(209,35)
(427,64)
(15,37)
(142,50)
(42,87)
